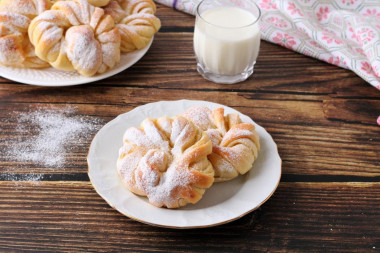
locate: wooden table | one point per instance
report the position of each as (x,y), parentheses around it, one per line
(323,119)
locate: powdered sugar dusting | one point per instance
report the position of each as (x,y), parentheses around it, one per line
(236,149)
(12,20)
(26,8)
(8,54)
(84,51)
(32,177)
(149,138)
(44,137)
(175,177)
(215,136)
(50,15)
(200,116)
(156,164)
(162,187)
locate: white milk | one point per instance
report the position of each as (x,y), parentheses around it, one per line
(225,41)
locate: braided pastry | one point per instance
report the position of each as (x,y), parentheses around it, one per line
(235,144)
(96,3)
(166,160)
(136,22)
(75,35)
(138,6)
(15,47)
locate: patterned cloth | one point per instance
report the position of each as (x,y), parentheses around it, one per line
(345,33)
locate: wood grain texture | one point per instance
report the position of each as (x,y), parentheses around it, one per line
(309,140)
(52,216)
(323,119)
(174,19)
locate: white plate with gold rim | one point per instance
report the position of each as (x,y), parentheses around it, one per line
(222,203)
(56,78)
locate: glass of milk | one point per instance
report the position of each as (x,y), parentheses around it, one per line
(226,39)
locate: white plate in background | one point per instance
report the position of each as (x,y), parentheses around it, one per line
(55,78)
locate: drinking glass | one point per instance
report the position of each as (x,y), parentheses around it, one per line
(226,39)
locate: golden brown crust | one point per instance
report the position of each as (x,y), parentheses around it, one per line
(138,6)
(235,144)
(96,3)
(136,22)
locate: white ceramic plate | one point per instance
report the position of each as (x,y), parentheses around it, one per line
(222,203)
(54,77)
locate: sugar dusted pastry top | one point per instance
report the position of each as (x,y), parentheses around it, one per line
(136,22)
(27,8)
(15,47)
(165,159)
(235,144)
(86,36)
(75,35)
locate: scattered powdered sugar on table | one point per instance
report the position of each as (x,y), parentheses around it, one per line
(16,178)
(45,137)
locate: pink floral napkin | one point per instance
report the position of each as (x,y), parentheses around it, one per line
(345,33)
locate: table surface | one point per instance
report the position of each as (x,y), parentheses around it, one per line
(323,119)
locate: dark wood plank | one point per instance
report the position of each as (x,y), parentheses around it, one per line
(70,216)
(358,110)
(174,20)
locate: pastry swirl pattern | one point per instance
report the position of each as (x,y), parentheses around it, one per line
(235,144)
(136,22)
(15,47)
(75,35)
(165,159)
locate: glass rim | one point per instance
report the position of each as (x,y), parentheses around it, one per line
(224,27)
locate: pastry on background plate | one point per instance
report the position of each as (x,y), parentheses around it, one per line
(235,144)
(86,36)
(136,22)
(96,3)
(75,35)
(15,47)
(165,159)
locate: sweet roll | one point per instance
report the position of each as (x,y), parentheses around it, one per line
(165,159)
(235,144)
(75,35)
(15,47)
(136,22)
